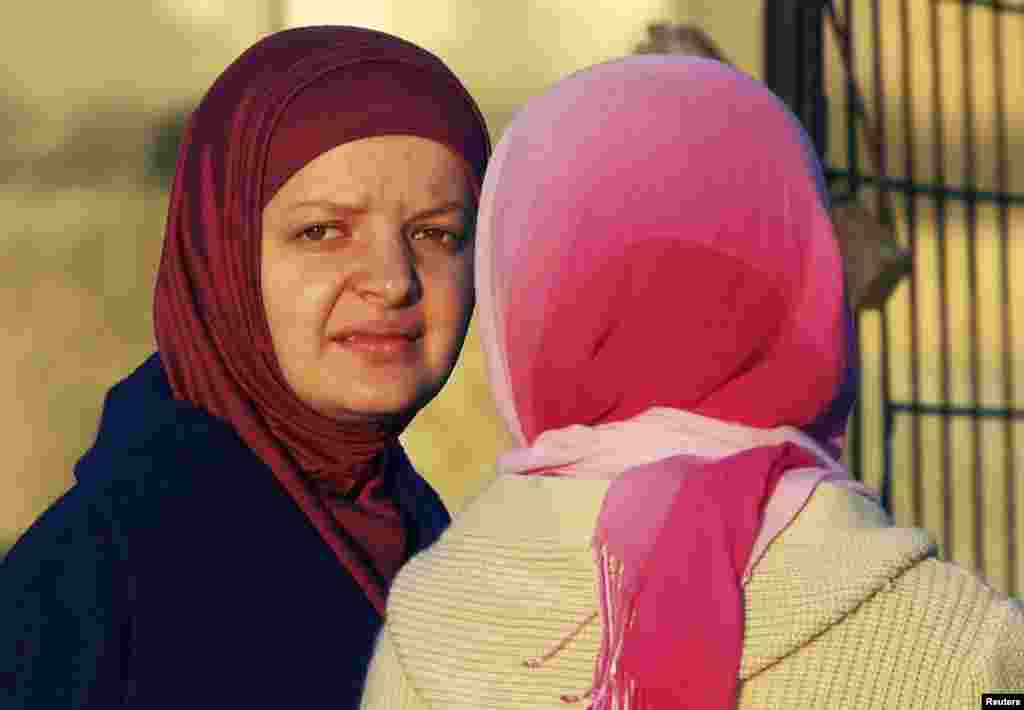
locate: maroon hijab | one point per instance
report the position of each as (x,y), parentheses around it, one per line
(286,100)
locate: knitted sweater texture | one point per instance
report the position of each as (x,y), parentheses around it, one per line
(843,611)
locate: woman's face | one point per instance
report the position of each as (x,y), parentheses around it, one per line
(367,275)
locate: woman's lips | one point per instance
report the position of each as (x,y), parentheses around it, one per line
(379,346)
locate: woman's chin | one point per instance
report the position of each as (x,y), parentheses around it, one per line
(383,404)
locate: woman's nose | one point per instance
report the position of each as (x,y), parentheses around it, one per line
(388,273)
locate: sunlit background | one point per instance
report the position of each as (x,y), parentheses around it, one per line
(90,95)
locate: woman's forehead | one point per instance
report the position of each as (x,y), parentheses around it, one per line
(361,171)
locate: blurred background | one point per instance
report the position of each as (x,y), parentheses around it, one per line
(913,104)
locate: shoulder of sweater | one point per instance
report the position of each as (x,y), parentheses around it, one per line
(951,618)
(387,683)
(839,554)
(936,635)
(993,643)
(954,600)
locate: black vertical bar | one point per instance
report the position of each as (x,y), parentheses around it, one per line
(971,186)
(813,109)
(909,141)
(939,150)
(856,110)
(1003,179)
(853,107)
(853,164)
(881,168)
(793,61)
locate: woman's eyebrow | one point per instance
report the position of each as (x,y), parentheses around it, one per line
(362,208)
(331,206)
(445,208)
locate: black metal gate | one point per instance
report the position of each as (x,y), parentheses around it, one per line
(915,107)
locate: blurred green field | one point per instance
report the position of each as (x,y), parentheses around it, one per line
(78,268)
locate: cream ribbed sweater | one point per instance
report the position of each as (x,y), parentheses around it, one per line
(844,611)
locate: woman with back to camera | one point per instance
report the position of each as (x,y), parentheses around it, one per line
(661,301)
(234,530)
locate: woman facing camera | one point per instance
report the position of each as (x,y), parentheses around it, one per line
(233,532)
(662,306)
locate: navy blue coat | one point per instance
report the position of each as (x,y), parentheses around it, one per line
(177,572)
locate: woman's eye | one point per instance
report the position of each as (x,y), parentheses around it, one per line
(319,233)
(444,236)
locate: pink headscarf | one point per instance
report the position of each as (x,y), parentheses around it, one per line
(655,261)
